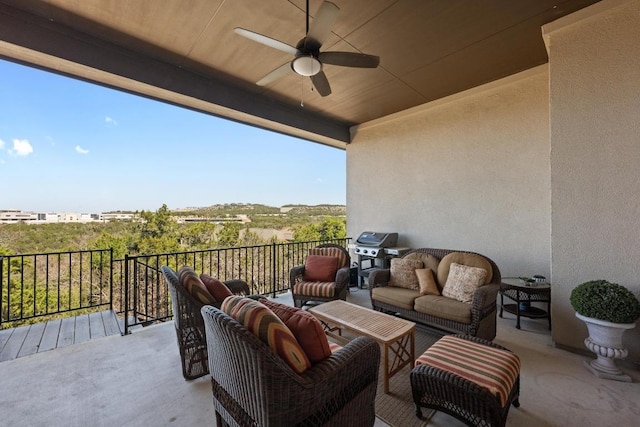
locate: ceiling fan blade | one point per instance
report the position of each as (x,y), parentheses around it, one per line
(321,84)
(267,41)
(349,59)
(322,24)
(274,75)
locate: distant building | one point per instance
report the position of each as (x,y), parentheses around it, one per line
(8,216)
(12,216)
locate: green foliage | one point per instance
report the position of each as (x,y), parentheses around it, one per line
(199,235)
(156,232)
(600,299)
(229,236)
(329,228)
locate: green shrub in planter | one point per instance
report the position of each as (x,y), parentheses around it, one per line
(600,299)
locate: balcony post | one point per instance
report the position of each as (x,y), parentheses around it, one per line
(126,295)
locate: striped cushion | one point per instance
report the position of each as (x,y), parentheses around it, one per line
(305,327)
(334,252)
(316,289)
(191,281)
(269,328)
(489,367)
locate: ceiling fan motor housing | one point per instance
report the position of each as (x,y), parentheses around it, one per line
(306,62)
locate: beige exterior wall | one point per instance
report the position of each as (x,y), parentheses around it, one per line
(538,171)
(470,172)
(595,157)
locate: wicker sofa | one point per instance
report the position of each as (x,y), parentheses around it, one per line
(476,318)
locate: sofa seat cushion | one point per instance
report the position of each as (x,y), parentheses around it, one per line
(399,297)
(316,289)
(443,307)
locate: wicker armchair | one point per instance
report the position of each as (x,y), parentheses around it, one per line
(189,325)
(482,323)
(304,291)
(254,387)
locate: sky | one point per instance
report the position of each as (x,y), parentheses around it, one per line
(71,146)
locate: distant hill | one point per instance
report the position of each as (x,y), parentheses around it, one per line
(258,209)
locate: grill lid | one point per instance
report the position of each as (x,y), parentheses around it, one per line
(376,239)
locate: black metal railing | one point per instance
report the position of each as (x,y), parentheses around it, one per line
(34,287)
(265,268)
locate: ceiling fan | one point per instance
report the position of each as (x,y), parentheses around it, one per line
(308,60)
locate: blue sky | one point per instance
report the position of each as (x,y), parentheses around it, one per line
(72,146)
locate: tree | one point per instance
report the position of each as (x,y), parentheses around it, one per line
(229,235)
(328,229)
(156,232)
(200,235)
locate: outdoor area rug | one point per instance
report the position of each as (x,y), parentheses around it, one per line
(397,408)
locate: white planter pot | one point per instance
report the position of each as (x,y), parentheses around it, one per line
(605,340)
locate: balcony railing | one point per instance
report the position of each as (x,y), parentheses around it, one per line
(36,286)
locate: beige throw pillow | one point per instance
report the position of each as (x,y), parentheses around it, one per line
(463,281)
(427,282)
(403,273)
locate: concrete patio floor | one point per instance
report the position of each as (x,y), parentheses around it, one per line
(136,380)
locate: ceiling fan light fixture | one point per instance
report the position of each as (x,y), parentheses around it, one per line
(306,65)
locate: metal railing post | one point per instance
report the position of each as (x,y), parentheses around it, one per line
(273,269)
(111,279)
(126,295)
(1,289)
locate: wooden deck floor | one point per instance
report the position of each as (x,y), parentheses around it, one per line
(39,337)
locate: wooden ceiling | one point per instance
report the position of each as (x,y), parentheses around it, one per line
(185,52)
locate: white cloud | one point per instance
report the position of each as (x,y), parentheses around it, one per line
(81,150)
(1,144)
(110,121)
(21,147)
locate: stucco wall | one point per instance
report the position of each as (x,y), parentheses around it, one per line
(595,157)
(471,172)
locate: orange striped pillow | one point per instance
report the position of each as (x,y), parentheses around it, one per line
(305,327)
(191,281)
(264,324)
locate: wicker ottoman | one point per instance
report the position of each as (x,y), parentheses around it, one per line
(471,379)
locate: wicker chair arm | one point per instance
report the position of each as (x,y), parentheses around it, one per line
(342,277)
(297,271)
(237,286)
(350,362)
(484,298)
(340,378)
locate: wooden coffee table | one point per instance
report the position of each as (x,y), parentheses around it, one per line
(395,335)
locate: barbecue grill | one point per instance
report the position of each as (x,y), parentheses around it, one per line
(376,249)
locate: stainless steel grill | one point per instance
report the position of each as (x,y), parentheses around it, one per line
(376,249)
(372,244)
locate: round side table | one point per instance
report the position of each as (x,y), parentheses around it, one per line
(523,294)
